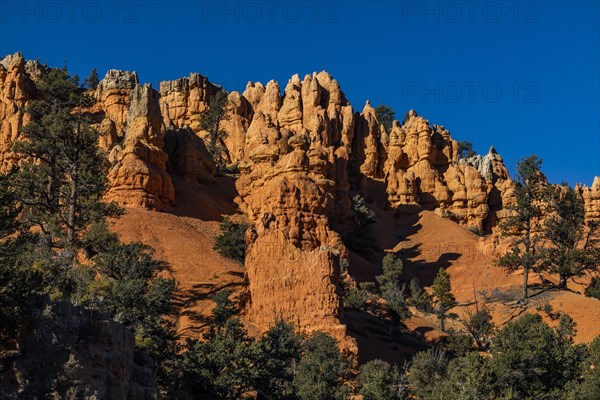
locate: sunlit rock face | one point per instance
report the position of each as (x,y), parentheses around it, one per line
(301,152)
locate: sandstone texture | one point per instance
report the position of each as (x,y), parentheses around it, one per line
(591,197)
(138,176)
(299,156)
(16,88)
(291,176)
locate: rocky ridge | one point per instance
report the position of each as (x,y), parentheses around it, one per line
(301,155)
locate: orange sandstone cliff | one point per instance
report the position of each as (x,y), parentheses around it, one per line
(301,154)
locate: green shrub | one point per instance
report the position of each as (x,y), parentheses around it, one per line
(457,343)
(231,243)
(391,286)
(419,298)
(378,380)
(357,297)
(322,371)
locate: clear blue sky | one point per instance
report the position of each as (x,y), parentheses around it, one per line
(522,76)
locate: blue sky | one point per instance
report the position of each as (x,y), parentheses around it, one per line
(523,76)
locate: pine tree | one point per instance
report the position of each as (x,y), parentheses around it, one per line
(391,286)
(442,293)
(93,80)
(321,372)
(378,380)
(418,297)
(277,355)
(522,221)
(465,150)
(231,242)
(385,116)
(211,120)
(62,191)
(531,360)
(19,279)
(221,365)
(571,252)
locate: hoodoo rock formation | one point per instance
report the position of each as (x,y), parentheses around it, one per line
(301,154)
(16,88)
(138,177)
(591,197)
(287,187)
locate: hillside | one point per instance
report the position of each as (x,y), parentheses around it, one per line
(298,158)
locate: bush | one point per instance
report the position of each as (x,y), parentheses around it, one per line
(391,286)
(479,325)
(364,215)
(378,380)
(426,368)
(588,386)
(531,359)
(321,372)
(231,243)
(458,344)
(357,297)
(277,355)
(419,298)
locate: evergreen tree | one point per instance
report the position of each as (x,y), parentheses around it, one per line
(465,150)
(391,286)
(479,326)
(523,216)
(420,298)
(587,387)
(593,289)
(322,370)
(385,116)
(531,360)
(129,287)
(358,295)
(360,238)
(124,281)
(277,355)
(378,380)
(210,121)
(93,80)
(221,366)
(571,252)
(9,206)
(62,191)
(442,293)
(22,277)
(426,368)
(224,309)
(231,243)
(469,377)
